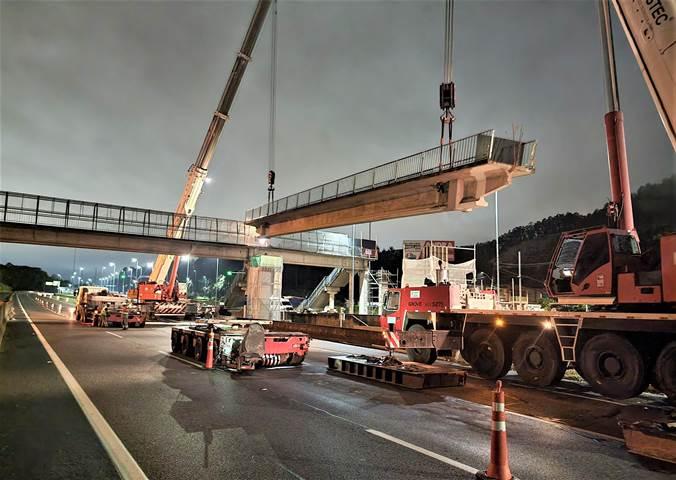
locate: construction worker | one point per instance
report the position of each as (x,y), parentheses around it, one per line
(103,316)
(125,318)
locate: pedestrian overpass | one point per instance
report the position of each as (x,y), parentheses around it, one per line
(452,177)
(40,220)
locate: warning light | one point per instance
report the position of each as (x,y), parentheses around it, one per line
(499,322)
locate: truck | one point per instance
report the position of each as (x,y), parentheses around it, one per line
(628,339)
(618,353)
(240,347)
(90,300)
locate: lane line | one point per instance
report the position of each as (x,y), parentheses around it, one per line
(424,451)
(122,460)
(181,359)
(114,334)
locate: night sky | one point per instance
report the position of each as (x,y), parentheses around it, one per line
(109,102)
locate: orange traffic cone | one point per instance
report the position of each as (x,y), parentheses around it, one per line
(210,350)
(498,468)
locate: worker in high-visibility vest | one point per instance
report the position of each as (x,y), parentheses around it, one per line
(125,318)
(103,316)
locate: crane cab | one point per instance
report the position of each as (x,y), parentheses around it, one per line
(604,266)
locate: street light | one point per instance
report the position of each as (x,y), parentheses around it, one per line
(112,264)
(135,260)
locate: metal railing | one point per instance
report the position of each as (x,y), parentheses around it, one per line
(477,149)
(29,209)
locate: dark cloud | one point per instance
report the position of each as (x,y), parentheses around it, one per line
(109,101)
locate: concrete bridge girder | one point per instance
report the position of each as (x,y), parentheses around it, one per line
(460,190)
(75,238)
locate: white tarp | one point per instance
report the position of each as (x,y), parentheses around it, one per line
(415,271)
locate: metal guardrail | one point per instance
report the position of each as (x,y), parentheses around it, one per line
(477,149)
(29,209)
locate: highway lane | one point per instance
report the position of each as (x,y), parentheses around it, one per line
(177,420)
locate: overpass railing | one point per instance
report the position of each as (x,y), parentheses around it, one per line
(477,149)
(38,210)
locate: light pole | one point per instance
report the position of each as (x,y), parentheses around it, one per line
(112,264)
(134,260)
(186,258)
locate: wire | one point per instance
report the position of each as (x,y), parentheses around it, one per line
(273,103)
(448,41)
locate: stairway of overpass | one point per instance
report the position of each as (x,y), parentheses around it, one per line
(319,297)
(36,219)
(452,177)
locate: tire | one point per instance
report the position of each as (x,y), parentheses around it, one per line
(421,355)
(175,342)
(296,359)
(665,371)
(198,350)
(185,345)
(141,324)
(487,353)
(613,366)
(537,358)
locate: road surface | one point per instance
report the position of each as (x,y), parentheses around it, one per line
(179,421)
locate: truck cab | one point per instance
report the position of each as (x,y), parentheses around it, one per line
(419,320)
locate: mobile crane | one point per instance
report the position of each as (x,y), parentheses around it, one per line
(628,344)
(156,289)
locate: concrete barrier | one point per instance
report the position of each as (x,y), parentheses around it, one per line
(6,312)
(359,336)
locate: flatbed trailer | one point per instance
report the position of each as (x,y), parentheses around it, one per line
(618,353)
(240,348)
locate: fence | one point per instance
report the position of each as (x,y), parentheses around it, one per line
(28,209)
(481,148)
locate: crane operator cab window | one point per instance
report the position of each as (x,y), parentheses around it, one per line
(562,273)
(392,301)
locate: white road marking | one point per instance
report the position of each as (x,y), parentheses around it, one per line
(124,463)
(424,451)
(181,359)
(114,334)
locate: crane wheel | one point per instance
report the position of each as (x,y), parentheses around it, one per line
(421,355)
(296,359)
(665,371)
(198,349)
(537,359)
(613,366)
(487,353)
(185,345)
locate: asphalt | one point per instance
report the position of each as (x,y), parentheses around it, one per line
(178,420)
(43,433)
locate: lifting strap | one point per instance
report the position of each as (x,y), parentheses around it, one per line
(447,87)
(273,106)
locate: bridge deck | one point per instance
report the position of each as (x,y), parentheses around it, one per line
(35,219)
(453,177)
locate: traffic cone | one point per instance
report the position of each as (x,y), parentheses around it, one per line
(210,351)
(498,468)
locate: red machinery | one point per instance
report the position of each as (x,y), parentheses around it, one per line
(197,173)
(241,348)
(604,265)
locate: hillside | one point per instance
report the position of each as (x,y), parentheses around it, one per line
(654,211)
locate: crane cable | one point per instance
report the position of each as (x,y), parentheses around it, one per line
(273,107)
(447,87)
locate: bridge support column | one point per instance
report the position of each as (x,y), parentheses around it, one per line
(363,292)
(264,287)
(331,292)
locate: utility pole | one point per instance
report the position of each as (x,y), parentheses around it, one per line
(497,247)
(520,291)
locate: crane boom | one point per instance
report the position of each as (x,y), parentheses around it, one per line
(197,173)
(650,28)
